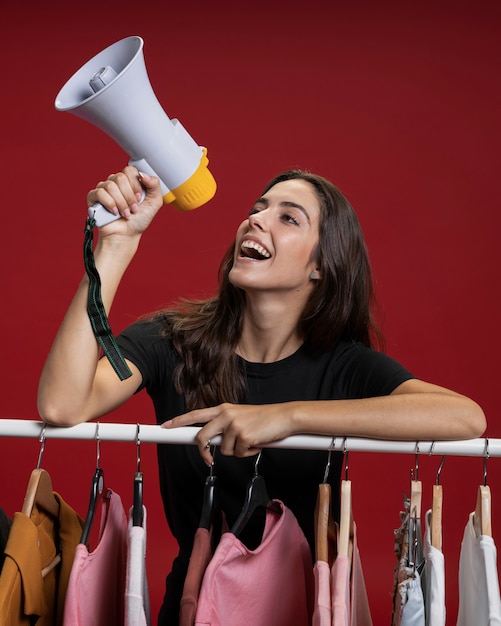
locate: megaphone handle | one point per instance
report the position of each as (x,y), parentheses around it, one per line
(102,216)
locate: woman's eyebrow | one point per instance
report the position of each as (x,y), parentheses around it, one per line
(285,203)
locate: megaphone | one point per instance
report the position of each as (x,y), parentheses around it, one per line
(113,92)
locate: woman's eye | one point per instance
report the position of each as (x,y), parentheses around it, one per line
(288,217)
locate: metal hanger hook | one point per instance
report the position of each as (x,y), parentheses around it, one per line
(138,447)
(329,458)
(98,453)
(41,439)
(346,453)
(256,462)
(416,462)
(439,470)
(213,454)
(486,456)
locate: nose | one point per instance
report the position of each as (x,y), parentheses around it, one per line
(258,219)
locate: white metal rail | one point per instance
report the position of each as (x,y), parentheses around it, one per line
(147,433)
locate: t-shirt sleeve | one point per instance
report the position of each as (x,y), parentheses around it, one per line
(371,373)
(151,352)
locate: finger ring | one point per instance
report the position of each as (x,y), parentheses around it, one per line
(207,445)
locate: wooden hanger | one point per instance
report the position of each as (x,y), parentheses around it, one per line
(325,526)
(345,541)
(482,514)
(436,511)
(416,490)
(40,493)
(416,496)
(436,517)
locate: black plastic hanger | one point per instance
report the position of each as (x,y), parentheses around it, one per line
(415,559)
(98,491)
(256,497)
(209,501)
(137,506)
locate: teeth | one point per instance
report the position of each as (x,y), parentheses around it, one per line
(255,246)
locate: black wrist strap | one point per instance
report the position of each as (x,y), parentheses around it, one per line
(95,307)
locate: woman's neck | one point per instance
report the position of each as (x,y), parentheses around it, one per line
(270,333)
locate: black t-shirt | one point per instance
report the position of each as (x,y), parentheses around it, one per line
(347,371)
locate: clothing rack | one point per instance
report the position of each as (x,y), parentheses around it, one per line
(147,433)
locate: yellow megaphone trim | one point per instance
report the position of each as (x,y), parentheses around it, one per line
(196,191)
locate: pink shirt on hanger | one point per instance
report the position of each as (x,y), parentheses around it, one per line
(96,587)
(272,584)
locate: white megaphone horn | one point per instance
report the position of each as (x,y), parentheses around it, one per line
(113,92)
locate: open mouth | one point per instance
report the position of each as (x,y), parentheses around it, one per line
(253,250)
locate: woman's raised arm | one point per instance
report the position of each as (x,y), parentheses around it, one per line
(75,385)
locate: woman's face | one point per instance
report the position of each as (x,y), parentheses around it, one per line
(275,246)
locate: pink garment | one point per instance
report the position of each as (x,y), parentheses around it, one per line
(340,589)
(199,560)
(340,592)
(270,585)
(360,610)
(95,593)
(322,612)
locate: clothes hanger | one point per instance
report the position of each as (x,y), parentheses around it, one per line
(416,489)
(436,509)
(346,532)
(98,492)
(40,494)
(325,526)
(256,497)
(482,514)
(137,502)
(209,498)
(415,517)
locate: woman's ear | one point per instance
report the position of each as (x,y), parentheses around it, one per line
(315,275)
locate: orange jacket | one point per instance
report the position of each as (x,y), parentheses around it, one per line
(32,545)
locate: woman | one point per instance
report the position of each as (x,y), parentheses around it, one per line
(284,348)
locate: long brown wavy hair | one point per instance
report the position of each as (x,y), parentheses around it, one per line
(206,333)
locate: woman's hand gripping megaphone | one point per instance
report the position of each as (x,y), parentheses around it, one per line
(129,194)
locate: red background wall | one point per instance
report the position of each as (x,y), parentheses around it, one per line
(397,103)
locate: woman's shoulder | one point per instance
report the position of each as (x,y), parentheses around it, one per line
(154,326)
(150,334)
